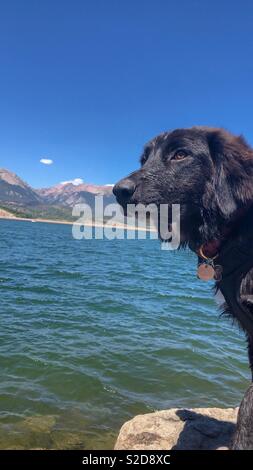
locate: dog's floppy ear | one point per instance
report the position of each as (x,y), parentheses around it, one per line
(232,185)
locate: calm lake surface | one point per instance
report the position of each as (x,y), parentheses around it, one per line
(94,332)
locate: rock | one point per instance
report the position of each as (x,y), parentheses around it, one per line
(179,429)
(39,423)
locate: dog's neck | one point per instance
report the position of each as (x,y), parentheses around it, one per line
(210,249)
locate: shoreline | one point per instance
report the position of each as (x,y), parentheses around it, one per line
(87,224)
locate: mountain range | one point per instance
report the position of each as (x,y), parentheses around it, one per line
(56,202)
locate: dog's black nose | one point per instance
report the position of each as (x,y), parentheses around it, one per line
(124,189)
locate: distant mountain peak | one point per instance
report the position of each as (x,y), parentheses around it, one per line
(12,178)
(17,195)
(68,194)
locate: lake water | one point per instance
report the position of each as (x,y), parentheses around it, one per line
(94,332)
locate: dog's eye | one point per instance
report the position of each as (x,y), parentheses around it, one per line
(180,155)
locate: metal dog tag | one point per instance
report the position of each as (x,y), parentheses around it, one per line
(206,272)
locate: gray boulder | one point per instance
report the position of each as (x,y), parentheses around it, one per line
(184,429)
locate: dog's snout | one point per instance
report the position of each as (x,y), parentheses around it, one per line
(124,189)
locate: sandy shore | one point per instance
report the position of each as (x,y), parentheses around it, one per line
(8,216)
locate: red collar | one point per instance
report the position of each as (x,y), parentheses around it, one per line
(210,249)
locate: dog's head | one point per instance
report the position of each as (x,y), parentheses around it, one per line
(207,171)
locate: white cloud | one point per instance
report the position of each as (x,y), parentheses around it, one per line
(46,161)
(109,185)
(75,181)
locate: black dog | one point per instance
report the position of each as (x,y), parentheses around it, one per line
(209,172)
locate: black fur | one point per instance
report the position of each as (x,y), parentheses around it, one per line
(243,439)
(212,181)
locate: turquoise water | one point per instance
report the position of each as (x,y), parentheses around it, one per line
(94,332)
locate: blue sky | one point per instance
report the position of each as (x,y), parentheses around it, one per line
(87,82)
